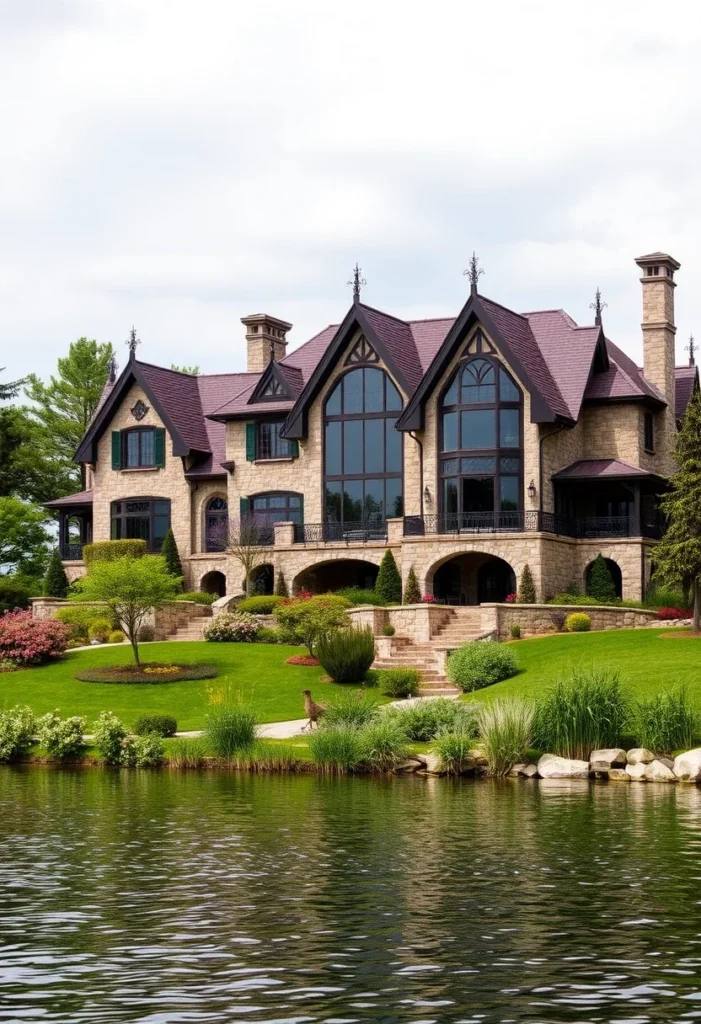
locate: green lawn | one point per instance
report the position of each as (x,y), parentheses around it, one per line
(648,660)
(255,673)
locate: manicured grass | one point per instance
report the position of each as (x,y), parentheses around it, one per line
(255,673)
(648,660)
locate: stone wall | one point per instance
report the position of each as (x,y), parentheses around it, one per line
(537,619)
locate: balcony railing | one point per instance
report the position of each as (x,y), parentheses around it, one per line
(71,552)
(530,522)
(348,533)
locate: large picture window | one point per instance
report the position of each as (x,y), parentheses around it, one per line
(363,449)
(267,509)
(141,519)
(481,445)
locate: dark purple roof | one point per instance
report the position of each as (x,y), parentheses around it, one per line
(684,378)
(179,394)
(568,351)
(71,500)
(399,341)
(622,380)
(594,469)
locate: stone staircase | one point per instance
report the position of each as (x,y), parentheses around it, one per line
(195,627)
(429,656)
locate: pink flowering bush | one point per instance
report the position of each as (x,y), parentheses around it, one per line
(428,599)
(511,599)
(28,641)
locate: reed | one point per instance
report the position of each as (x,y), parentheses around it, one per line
(453,750)
(587,711)
(354,710)
(187,753)
(505,728)
(667,722)
(230,729)
(338,750)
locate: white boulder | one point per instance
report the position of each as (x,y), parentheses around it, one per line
(658,772)
(619,775)
(639,755)
(687,767)
(611,757)
(637,771)
(551,766)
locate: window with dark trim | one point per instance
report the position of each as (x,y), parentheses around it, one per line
(269,444)
(138,448)
(649,432)
(276,507)
(216,522)
(481,442)
(141,519)
(363,471)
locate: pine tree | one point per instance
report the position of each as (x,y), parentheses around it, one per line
(412,591)
(600,581)
(169,552)
(526,591)
(281,585)
(55,582)
(678,555)
(388,585)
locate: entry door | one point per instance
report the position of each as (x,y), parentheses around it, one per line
(477,503)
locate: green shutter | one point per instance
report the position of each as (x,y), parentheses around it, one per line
(294,449)
(250,442)
(244,507)
(159,447)
(116,449)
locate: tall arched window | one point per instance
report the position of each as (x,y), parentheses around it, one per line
(363,449)
(216,519)
(481,446)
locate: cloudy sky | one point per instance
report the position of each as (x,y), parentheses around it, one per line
(178,164)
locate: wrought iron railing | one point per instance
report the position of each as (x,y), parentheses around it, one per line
(71,552)
(590,527)
(348,533)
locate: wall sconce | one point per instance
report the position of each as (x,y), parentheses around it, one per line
(532,491)
(427,495)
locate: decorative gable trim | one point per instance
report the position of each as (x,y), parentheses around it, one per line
(362,352)
(272,386)
(479,345)
(355,320)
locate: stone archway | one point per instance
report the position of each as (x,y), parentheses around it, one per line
(472,577)
(262,582)
(336,575)
(214,582)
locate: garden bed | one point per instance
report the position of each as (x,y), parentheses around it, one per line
(150,672)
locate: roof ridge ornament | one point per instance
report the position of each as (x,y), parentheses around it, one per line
(132,342)
(691,349)
(598,306)
(474,272)
(358,282)
(112,367)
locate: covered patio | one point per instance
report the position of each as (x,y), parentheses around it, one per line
(609,498)
(74,524)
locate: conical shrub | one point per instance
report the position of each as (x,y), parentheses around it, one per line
(388,586)
(526,591)
(412,591)
(56,582)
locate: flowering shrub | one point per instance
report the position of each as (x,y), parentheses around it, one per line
(239,628)
(16,732)
(308,620)
(142,751)
(28,641)
(428,599)
(511,599)
(578,622)
(62,737)
(673,613)
(109,736)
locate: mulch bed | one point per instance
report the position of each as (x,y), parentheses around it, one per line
(150,672)
(302,659)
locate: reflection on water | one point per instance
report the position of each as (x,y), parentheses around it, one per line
(164,897)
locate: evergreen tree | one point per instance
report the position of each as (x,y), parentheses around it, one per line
(55,582)
(169,552)
(526,591)
(600,581)
(412,592)
(281,585)
(388,585)
(678,555)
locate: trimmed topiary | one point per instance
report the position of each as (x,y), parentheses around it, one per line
(388,585)
(169,554)
(264,605)
(412,591)
(346,656)
(110,550)
(55,582)
(481,663)
(281,585)
(162,725)
(578,622)
(526,590)
(600,583)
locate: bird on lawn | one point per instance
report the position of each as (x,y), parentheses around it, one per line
(312,710)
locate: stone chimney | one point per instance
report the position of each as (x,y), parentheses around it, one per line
(266,339)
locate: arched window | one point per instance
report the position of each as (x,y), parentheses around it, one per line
(216,521)
(481,447)
(363,449)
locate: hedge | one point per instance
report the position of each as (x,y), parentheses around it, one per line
(110,550)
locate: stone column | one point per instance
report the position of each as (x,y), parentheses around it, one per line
(284,534)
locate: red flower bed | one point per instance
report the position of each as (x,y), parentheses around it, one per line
(673,613)
(302,659)
(428,599)
(28,641)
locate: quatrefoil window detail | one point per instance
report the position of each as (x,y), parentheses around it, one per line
(139,410)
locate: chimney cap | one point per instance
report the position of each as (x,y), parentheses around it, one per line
(658,258)
(265,318)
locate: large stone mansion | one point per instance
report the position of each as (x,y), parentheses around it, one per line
(471,446)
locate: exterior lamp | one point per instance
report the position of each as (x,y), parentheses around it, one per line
(427,495)
(532,491)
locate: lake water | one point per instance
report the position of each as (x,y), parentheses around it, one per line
(163,897)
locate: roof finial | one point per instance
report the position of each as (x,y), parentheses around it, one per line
(597,305)
(132,342)
(691,349)
(474,271)
(112,369)
(358,282)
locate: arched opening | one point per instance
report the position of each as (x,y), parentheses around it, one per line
(337,575)
(216,520)
(473,578)
(262,582)
(214,583)
(616,575)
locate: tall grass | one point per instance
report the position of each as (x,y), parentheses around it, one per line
(282,757)
(453,750)
(347,654)
(666,722)
(353,710)
(230,728)
(186,753)
(338,750)
(506,728)
(386,744)
(584,712)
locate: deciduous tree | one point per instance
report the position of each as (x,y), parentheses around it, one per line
(24,541)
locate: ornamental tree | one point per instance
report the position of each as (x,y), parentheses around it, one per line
(600,581)
(131,587)
(388,585)
(169,554)
(281,585)
(526,590)
(412,592)
(56,582)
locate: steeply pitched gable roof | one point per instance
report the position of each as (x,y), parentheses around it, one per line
(685,378)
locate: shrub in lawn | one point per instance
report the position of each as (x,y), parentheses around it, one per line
(340,749)
(235,628)
(349,710)
(426,719)
(359,596)
(584,712)
(169,554)
(453,750)
(79,618)
(263,605)
(100,630)
(17,726)
(198,596)
(13,594)
(526,590)
(515,631)
(187,753)
(268,635)
(505,728)
(110,550)
(27,641)
(230,728)
(600,583)
(480,663)
(347,655)
(55,582)
(109,735)
(281,589)
(578,622)
(412,590)
(400,682)
(673,614)
(116,637)
(142,751)
(162,725)
(309,620)
(385,743)
(388,630)
(666,722)
(388,585)
(62,737)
